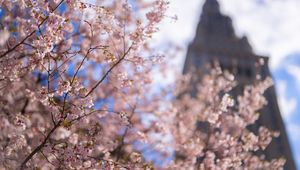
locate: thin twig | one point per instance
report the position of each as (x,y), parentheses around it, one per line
(107,72)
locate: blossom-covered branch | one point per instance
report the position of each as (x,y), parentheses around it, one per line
(76,92)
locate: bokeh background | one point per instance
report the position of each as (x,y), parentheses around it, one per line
(273,29)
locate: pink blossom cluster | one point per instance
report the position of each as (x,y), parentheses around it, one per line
(211,131)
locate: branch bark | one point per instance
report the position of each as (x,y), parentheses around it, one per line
(38,148)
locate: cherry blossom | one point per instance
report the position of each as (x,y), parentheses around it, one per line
(76,92)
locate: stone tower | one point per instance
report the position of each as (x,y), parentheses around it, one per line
(216,41)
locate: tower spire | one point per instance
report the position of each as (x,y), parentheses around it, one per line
(215,31)
(211,7)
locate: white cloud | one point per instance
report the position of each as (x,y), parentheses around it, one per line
(180,32)
(288,105)
(295,72)
(272,26)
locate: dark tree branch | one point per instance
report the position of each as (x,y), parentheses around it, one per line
(108,71)
(38,148)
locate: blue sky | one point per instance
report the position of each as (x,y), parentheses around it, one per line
(272,27)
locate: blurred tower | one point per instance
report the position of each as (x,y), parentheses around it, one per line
(216,41)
